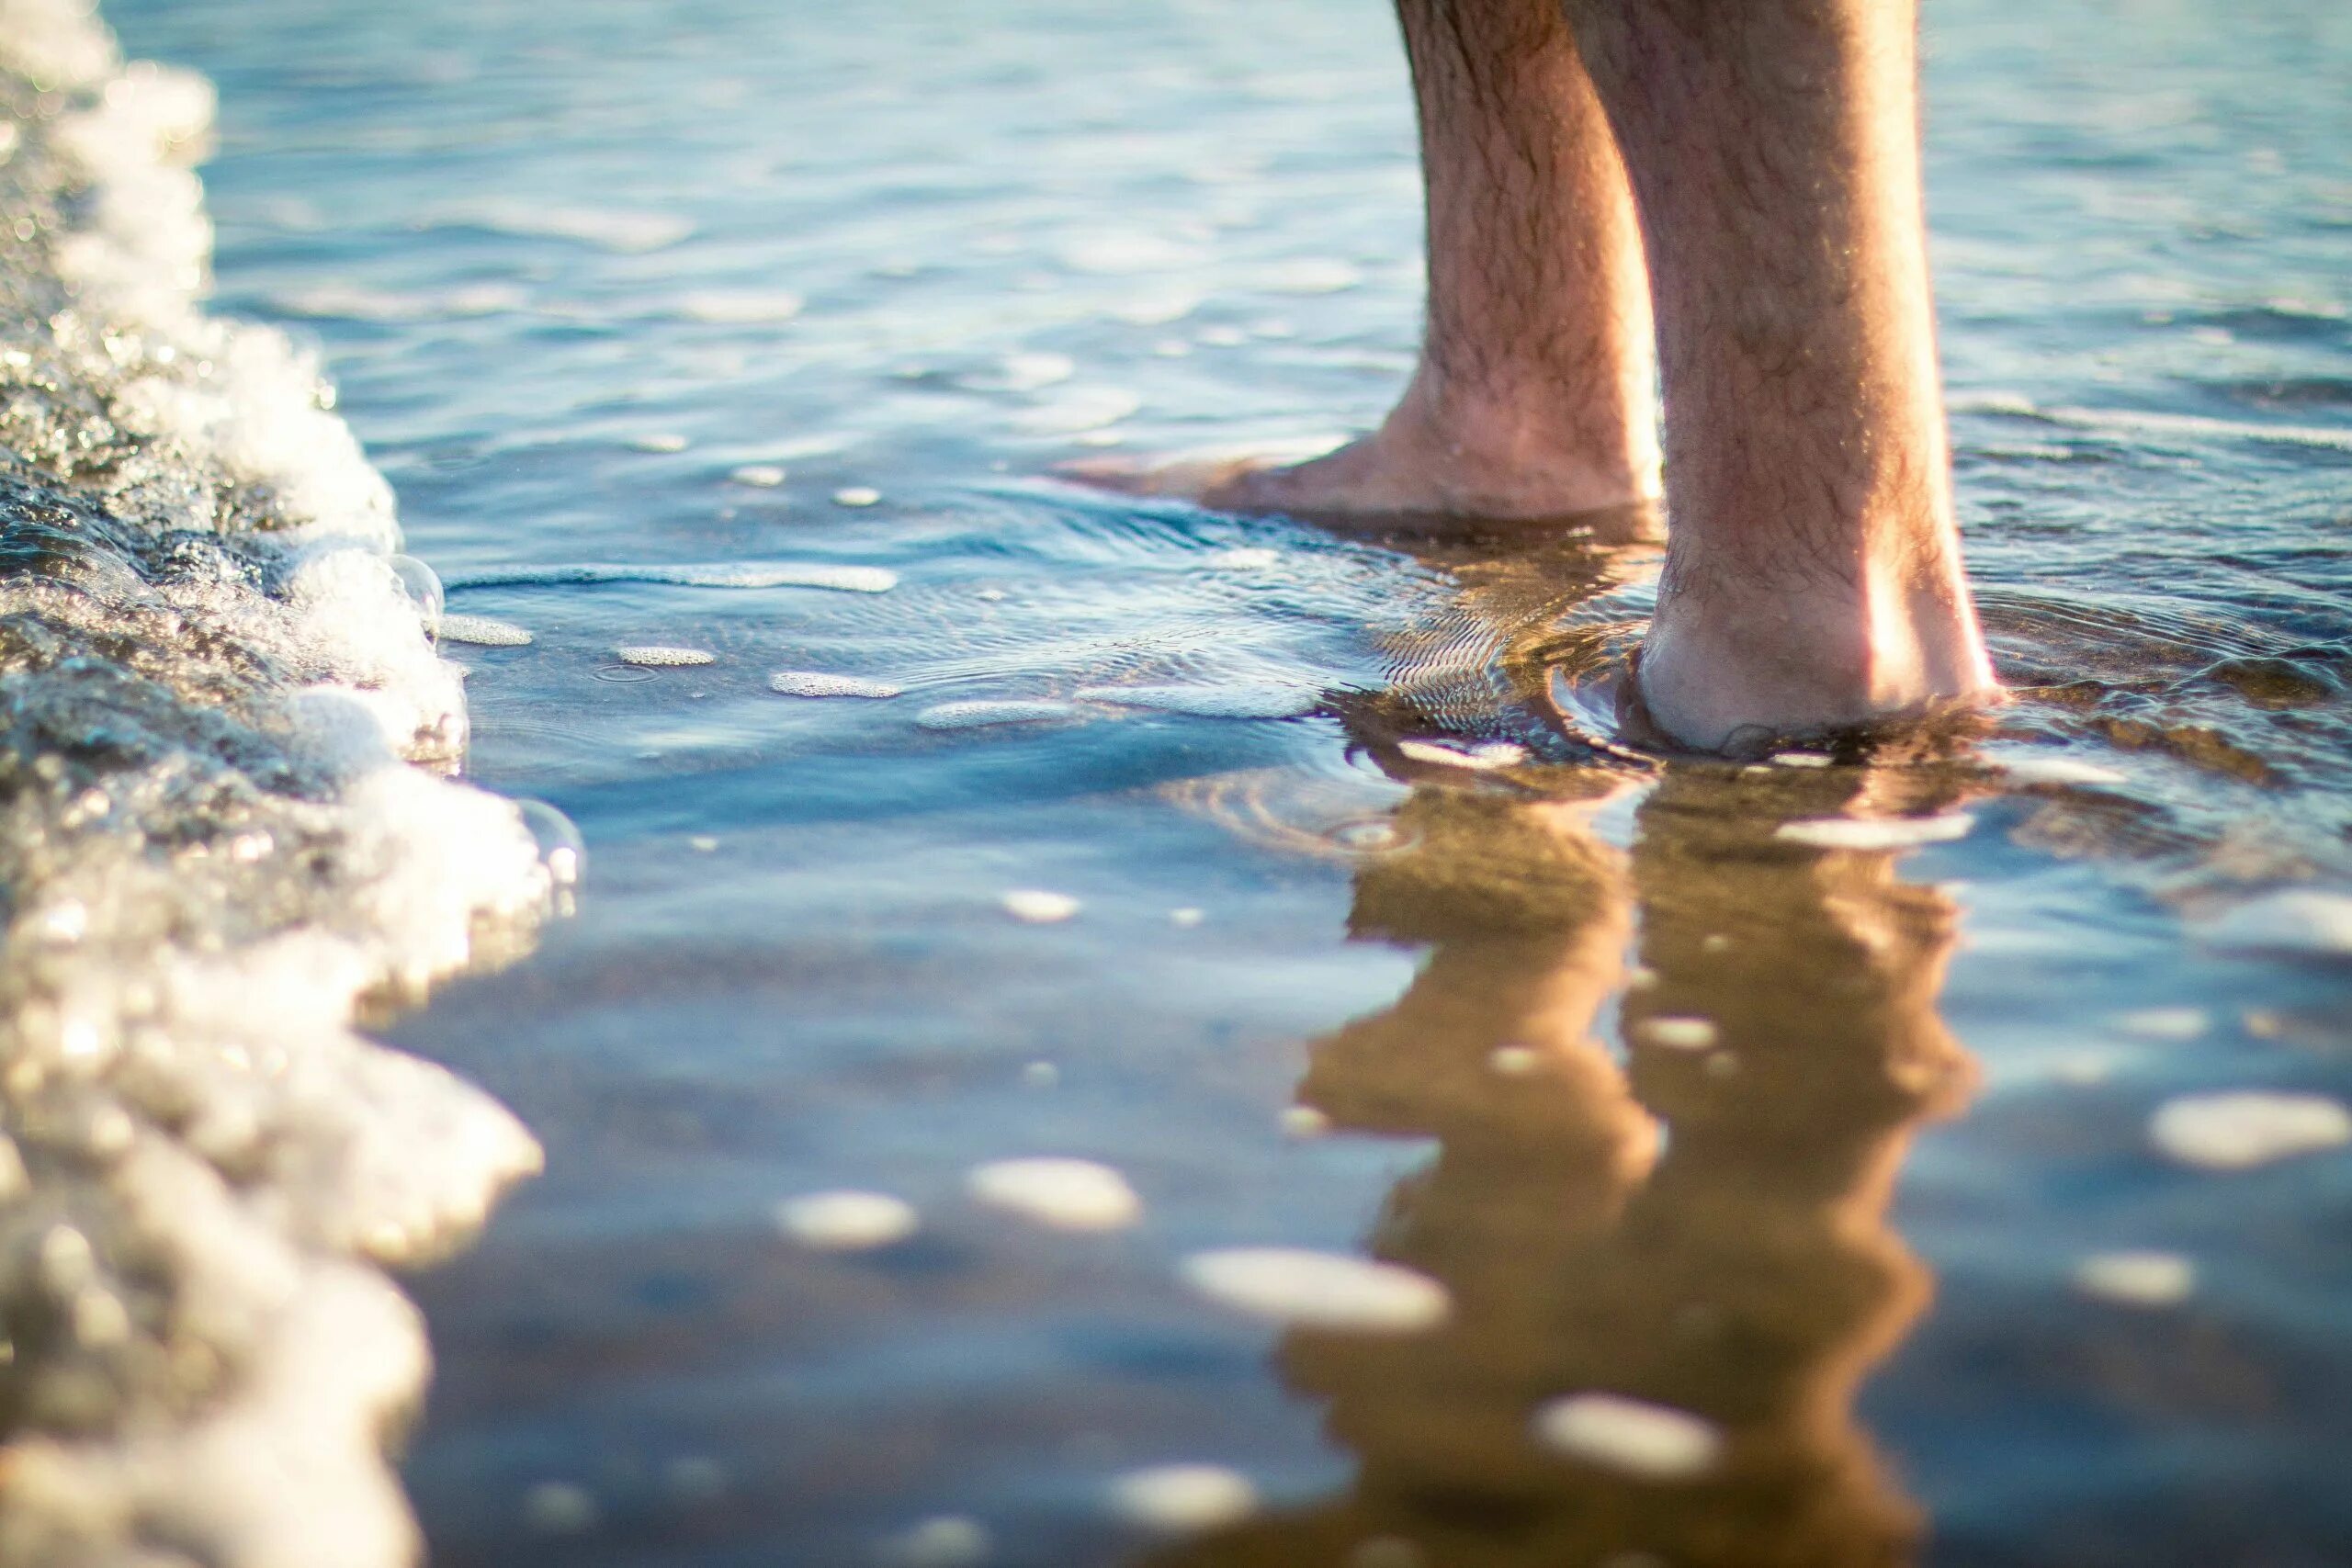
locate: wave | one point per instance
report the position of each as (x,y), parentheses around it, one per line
(229,817)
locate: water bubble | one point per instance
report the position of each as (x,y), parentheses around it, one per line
(422,586)
(857,495)
(762,476)
(562,849)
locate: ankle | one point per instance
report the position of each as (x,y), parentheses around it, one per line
(1529,437)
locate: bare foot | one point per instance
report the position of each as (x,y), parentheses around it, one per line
(1423,464)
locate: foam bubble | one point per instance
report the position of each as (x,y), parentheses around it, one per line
(1318,1290)
(483,632)
(2137,1279)
(660,441)
(1876,833)
(816,683)
(1038,908)
(2299,921)
(1183,1499)
(841,578)
(760,476)
(857,496)
(980,713)
(846,1221)
(1654,1442)
(659,656)
(1484,757)
(1235,699)
(2239,1130)
(1063,1194)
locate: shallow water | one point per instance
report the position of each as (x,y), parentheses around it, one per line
(1831,1150)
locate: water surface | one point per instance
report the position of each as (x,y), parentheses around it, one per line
(687,293)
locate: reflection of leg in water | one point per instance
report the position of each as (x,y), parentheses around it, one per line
(1781,1031)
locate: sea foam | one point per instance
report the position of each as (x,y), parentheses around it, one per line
(218,685)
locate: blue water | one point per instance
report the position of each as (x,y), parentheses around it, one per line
(577,270)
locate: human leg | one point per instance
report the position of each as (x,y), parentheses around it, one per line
(1812,576)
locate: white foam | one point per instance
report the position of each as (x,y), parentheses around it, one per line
(1483,758)
(1035,907)
(846,1220)
(1235,699)
(1876,833)
(2240,1129)
(659,656)
(760,476)
(1654,1442)
(186,1069)
(483,632)
(980,713)
(2137,1279)
(1183,1499)
(1062,1194)
(816,683)
(857,496)
(841,578)
(2299,921)
(1318,1290)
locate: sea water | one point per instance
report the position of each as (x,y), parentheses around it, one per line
(1098,1032)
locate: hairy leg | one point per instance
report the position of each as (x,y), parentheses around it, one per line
(1534,396)
(1813,576)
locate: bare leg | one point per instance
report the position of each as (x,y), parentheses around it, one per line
(1813,576)
(1535,397)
